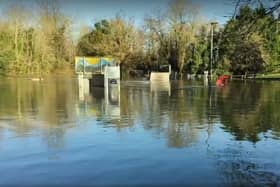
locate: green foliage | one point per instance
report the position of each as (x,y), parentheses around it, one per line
(223,67)
(116,38)
(37,49)
(88,43)
(250,41)
(246,58)
(6,52)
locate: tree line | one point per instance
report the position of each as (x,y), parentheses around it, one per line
(178,36)
(247,44)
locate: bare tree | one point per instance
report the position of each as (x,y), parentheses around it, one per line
(53,36)
(17,16)
(183,16)
(157,37)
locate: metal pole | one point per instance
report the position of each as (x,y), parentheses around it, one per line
(212,46)
(84,66)
(101,65)
(277,33)
(211,56)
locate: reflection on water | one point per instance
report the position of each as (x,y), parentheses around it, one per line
(160,86)
(84,90)
(228,136)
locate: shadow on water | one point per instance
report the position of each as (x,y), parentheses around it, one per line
(184,114)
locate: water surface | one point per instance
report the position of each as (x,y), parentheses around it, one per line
(54,133)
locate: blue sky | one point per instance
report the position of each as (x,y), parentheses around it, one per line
(86,12)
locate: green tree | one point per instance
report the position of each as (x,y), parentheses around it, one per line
(117,38)
(254,28)
(246,59)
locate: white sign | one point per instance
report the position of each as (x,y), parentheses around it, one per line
(112,72)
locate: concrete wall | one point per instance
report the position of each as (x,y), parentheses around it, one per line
(160,81)
(111,72)
(112,91)
(159,76)
(83,87)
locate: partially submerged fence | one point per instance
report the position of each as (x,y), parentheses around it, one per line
(247,76)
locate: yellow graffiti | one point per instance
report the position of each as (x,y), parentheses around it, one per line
(89,60)
(92,60)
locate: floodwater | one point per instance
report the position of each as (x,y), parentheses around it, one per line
(56,133)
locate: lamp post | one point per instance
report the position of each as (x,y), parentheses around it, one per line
(277,33)
(211,55)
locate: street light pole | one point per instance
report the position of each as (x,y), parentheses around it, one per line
(277,33)
(212,46)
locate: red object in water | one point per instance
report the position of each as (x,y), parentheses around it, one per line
(222,80)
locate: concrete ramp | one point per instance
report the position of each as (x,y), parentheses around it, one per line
(160,77)
(160,82)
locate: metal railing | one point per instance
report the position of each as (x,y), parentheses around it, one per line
(247,76)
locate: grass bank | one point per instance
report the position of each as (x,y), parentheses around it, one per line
(275,76)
